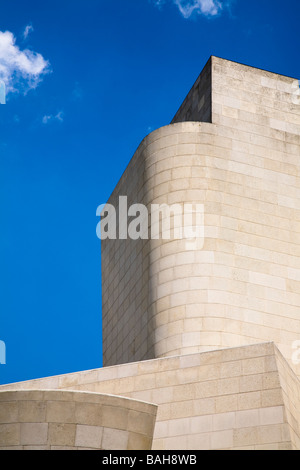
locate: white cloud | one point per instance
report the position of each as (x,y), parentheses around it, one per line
(205,7)
(20,70)
(201,7)
(57,117)
(28,29)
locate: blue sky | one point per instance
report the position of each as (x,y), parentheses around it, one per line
(86,81)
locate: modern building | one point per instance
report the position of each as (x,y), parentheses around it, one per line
(201,341)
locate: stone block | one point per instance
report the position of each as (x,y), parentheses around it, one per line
(61,434)
(88,436)
(34,433)
(114,439)
(9,435)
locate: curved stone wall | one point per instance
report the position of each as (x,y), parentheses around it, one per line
(159,298)
(61,420)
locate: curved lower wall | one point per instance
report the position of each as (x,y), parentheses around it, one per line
(57,420)
(243,285)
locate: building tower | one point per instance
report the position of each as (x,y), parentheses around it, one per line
(234,147)
(201,340)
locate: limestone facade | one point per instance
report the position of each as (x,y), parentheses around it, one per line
(244,398)
(203,337)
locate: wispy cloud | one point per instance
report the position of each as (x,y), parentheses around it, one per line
(77,92)
(2,92)
(51,117)
(187,8)
(20,70)
(28,29)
